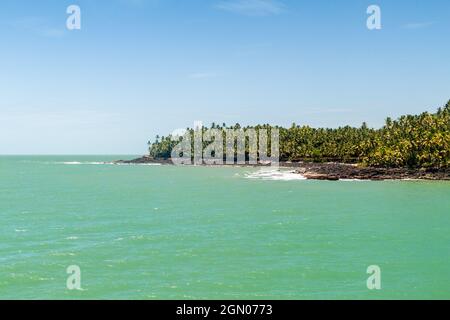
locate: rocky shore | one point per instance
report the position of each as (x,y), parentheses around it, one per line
(144,160)
(337,171)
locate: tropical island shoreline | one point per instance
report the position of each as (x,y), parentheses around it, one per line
(332,171)
(410,147)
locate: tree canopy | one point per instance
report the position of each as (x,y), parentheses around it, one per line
(415,141)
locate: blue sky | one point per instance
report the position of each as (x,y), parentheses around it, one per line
(142,67)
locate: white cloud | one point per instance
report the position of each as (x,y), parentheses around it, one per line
(252,7)
(417,25)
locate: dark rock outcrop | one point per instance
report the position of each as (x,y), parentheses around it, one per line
(144,160)
(338,171)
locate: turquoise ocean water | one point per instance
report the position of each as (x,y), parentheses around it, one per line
(165,232)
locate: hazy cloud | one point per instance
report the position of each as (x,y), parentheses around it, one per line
(418,25)
(252,7)
(139,3)
(203,75)
(39,27)
(327,110)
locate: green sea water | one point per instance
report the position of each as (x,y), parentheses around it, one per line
(166,232)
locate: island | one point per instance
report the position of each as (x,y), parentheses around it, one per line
(410,147)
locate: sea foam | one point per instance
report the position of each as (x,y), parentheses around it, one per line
(72,163)
(275,175)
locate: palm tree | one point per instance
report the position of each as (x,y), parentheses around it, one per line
(415,141)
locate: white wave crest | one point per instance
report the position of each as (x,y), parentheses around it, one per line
(138,164)
(78,163)
(275,175)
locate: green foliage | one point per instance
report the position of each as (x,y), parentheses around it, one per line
(420,141)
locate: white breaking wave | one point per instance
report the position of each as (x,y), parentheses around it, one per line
(77,163)
(70,163)
(138,164)
(275,175)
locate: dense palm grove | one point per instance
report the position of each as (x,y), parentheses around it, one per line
(419,141)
